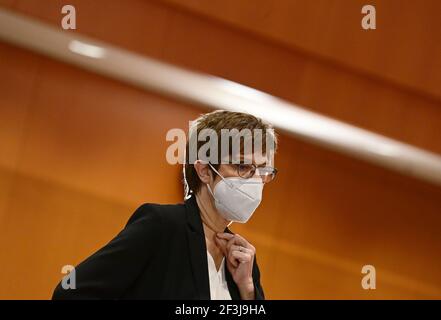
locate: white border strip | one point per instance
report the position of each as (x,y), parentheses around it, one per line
(218,93)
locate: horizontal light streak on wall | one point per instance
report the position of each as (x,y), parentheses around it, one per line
(218,93)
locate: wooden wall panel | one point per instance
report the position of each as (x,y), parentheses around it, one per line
(77,132)
(81,152)
(136,24)
(402,49)
(342,214)
(6,180)
(7,3)
(89,151)
(83,127)
(49,225)
(325,88)
(19,71)
(394,108)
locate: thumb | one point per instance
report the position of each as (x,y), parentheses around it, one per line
(222,244)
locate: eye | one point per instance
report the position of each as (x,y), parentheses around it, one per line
(246,170)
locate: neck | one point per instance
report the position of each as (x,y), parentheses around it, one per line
(212,221)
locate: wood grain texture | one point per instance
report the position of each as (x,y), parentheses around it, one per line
(80,152)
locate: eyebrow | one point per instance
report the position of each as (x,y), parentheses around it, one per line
(263,164)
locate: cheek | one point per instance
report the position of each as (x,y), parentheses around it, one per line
(216,180)
(228,172)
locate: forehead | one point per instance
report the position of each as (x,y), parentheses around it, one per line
(256,158)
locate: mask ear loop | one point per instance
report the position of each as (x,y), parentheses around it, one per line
(217,172)
(208,185)
(187,191)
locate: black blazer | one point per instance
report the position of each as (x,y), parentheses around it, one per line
(160,254)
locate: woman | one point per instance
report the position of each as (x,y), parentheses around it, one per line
(186,251)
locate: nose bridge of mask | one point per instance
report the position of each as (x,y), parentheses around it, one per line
(243,182)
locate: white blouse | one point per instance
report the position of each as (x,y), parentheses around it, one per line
(218,281)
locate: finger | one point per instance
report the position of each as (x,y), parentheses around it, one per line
(230,243)
(237,241)
(225,235)
(230,266)
(222,244)
(241,249)
(243,242)
(242,257)
(232,260)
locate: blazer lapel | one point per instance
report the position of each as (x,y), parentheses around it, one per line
(198,254)
(198,249)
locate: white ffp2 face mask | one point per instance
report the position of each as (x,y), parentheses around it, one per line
(236,198)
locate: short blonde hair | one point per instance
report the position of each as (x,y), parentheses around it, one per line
(218,120)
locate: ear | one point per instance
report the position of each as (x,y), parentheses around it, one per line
(203,171)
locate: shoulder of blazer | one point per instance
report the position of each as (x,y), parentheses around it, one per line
(164,216)
(111,270)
